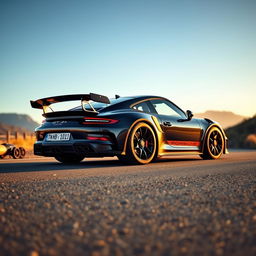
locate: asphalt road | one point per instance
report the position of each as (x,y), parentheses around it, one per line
(177,206)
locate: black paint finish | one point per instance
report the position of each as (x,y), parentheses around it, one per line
(174,133)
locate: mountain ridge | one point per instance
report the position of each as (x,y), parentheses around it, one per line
(12,128)
(225,118)
(243,135)
(22,121)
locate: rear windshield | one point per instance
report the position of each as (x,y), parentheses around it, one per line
(98,105)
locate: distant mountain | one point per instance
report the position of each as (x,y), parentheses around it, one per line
(243,135)
(11,128)
(18,120)
(225,118)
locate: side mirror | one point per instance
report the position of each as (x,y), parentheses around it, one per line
(189,114)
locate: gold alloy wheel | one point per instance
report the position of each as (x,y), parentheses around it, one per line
(214,144)
(142,144)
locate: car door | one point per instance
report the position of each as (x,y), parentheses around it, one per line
(180,133)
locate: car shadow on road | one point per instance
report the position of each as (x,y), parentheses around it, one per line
(55,166)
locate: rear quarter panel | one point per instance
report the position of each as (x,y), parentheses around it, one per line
(127,120)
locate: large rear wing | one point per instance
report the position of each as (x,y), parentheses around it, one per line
(46,102)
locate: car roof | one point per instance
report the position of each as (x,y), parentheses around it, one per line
(142,96)
(126,102)
(138,98)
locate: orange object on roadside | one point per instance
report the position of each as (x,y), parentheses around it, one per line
(3,150)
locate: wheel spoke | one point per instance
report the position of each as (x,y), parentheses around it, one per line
(147,149)
(145,153)
(148,137)
(141,133)
(136,136)
(145,133)
(140,152)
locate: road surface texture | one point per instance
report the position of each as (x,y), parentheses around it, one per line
(176,206)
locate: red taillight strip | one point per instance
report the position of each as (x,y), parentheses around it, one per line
(97,120)
(183,143)
(97,138)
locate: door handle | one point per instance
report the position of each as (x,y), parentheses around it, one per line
(167,123)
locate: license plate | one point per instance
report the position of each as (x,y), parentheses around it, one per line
(58,136)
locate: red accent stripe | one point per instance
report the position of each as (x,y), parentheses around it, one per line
(183,143)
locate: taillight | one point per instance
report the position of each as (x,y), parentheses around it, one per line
(98,138)
(39,135)
(97,120)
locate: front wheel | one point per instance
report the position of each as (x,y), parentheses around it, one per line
(69,159)
(141,145)
(214,144)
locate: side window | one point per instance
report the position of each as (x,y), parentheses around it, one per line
(164,107)
(143,107)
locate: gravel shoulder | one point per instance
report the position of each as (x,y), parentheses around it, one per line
(173,207)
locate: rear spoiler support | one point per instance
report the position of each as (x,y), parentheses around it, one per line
(45,103)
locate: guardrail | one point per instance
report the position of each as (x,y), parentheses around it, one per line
(8,136)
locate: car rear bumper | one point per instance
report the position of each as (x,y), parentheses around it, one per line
(81,148)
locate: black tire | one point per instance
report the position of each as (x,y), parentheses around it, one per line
(22,152)
(214,144)
(141,145)
(15,153)
(69,159)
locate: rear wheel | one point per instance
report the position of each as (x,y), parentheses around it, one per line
(15,153)
(22,152)
(69,159)
(214,144)
(141,145)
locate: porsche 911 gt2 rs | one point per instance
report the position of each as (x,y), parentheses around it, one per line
(136,129)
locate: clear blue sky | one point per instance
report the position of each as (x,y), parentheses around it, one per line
(200,54)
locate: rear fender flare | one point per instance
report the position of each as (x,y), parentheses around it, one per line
(153,126)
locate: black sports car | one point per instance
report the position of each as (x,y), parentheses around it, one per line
(136,129)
